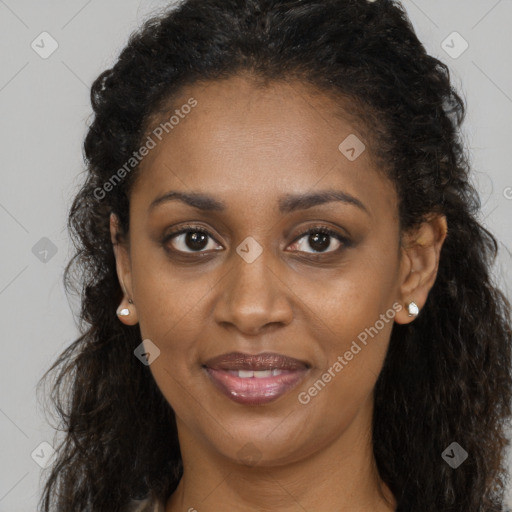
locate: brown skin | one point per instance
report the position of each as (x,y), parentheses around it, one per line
(247,147)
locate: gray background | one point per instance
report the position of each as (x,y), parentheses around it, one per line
(44,106)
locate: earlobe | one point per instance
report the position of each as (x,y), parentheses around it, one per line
(421,251)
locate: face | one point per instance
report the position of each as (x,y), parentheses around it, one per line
(294,252)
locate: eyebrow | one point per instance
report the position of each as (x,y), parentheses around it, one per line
(287,203)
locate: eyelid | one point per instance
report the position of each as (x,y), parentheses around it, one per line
(187,228)
(322,229)
(344,241)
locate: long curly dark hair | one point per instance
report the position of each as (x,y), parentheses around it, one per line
(446,376)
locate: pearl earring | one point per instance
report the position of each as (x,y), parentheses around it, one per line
(413,309)
(124,311)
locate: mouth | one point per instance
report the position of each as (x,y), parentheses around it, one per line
(255,379)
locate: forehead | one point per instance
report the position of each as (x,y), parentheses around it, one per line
(244,140)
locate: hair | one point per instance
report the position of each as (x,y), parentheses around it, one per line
(447,375)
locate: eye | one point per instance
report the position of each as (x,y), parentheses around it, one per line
(320,239)
(195,239)
(189,237)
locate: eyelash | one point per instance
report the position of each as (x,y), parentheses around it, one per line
(314,230)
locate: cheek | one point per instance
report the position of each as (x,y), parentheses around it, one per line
(346,300)
(169,308)
(168,298)
(350,317)
(353,352)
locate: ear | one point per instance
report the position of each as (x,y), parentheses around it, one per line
(419,263)
(124,274)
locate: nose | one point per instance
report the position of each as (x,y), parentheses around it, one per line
(254,297)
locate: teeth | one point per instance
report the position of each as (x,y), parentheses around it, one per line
(261,374)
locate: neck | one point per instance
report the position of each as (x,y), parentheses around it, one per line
(342,476)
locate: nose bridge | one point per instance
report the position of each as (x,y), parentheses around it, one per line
(253,295)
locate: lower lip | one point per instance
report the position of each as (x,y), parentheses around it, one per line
(252,390)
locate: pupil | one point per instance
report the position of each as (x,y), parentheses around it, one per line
(196,240)
(323,244)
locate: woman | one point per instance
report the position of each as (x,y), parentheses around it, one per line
(286,296)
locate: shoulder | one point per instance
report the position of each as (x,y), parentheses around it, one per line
(147,505)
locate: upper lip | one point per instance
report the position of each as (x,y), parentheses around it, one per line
(263,361)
